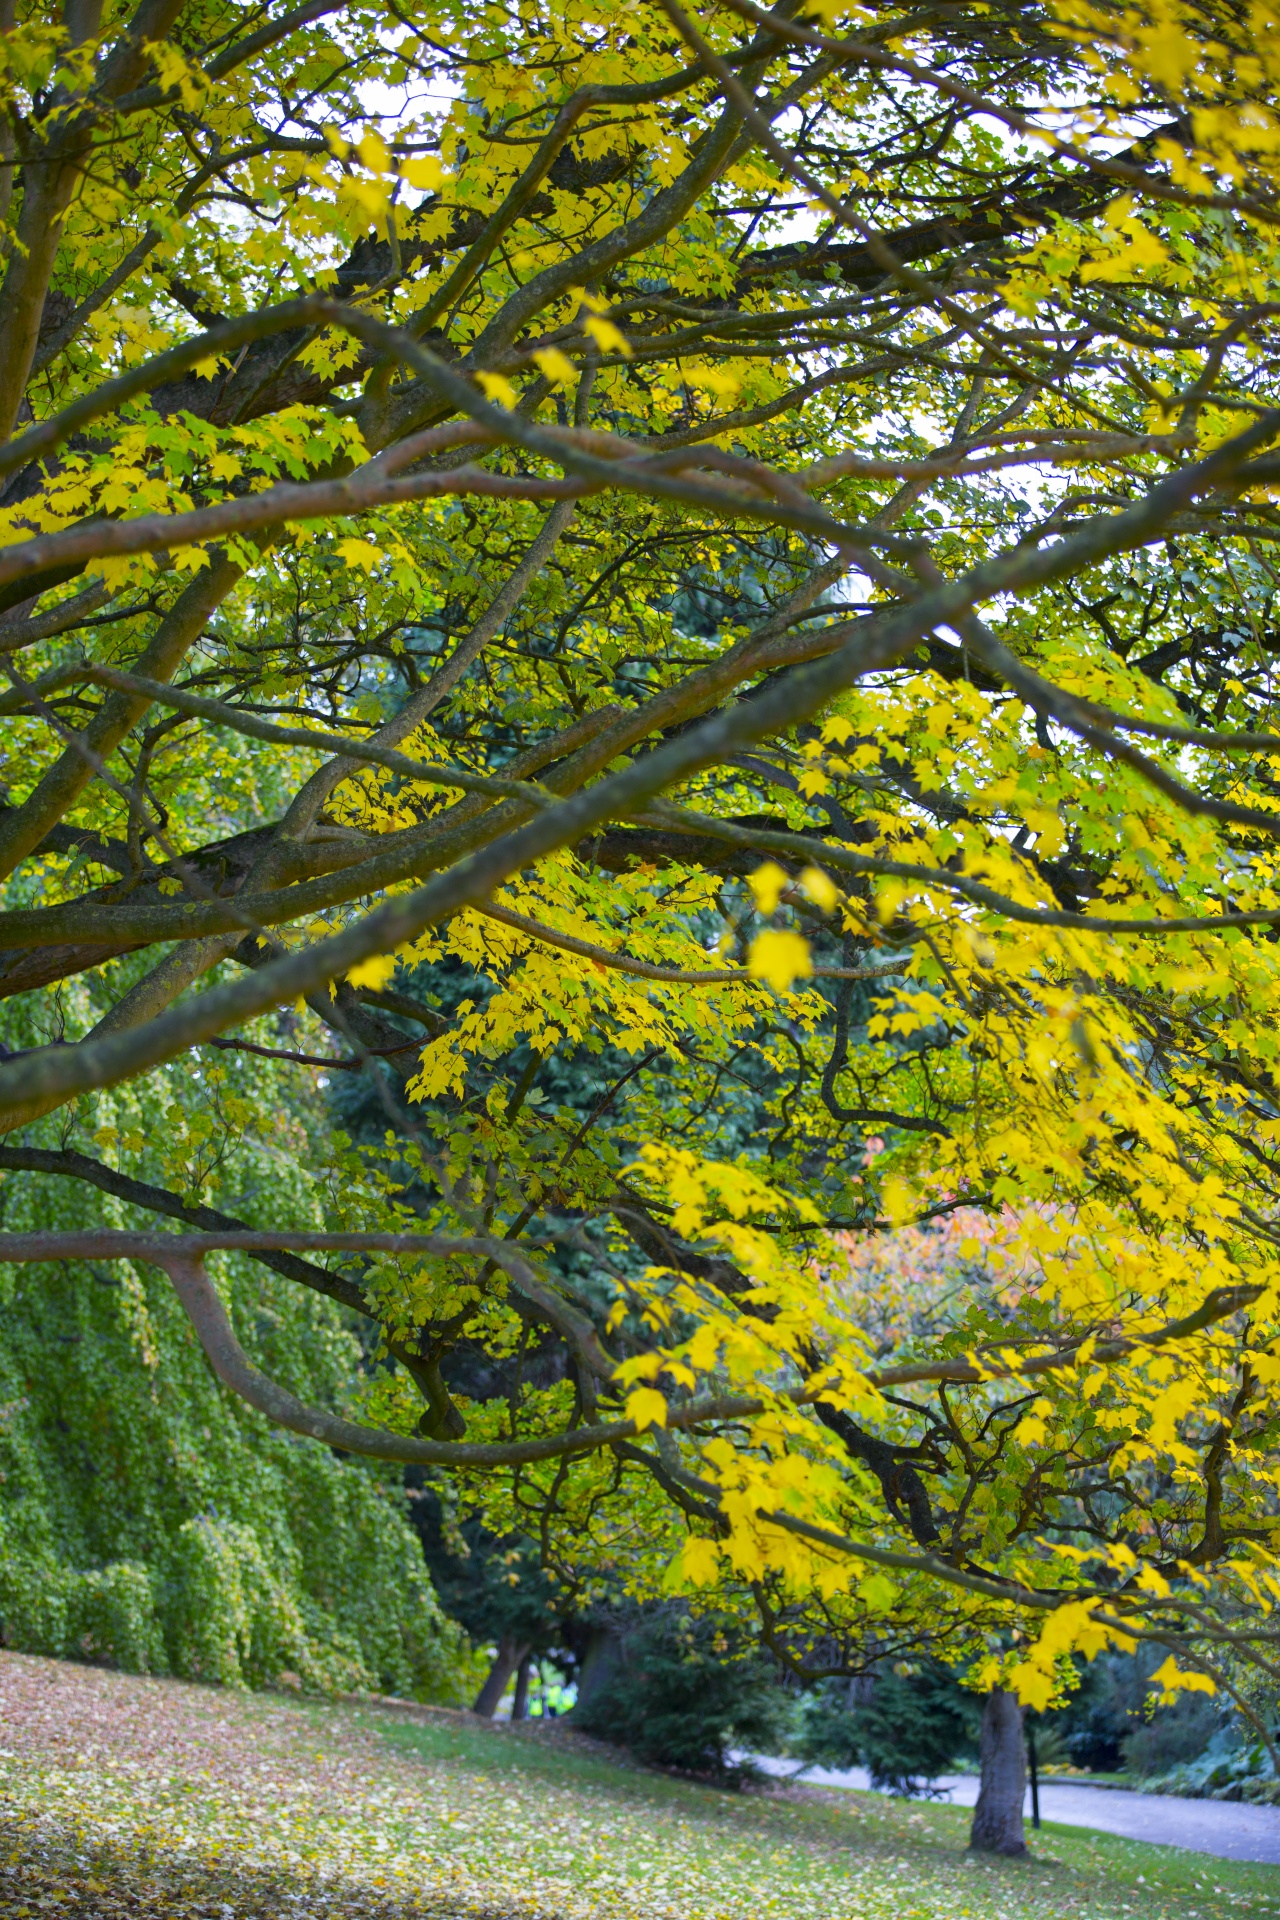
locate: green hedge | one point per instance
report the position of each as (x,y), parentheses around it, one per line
(147,1518)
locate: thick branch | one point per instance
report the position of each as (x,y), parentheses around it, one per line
(23,829)
(793,698)
(606,957)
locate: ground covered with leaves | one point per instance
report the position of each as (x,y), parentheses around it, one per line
(123,1796)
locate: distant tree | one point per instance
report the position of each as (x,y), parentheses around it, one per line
(1101,1713)
(495,1589)
(1112,1719)
(690,1692)
(1175,1735)
(905,1729)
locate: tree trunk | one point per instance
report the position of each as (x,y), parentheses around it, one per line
(505,1661)
(520,1705)
(603,1657)
(997,1818)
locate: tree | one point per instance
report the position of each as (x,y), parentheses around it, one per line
(691,1693)
(944,885)
(905,1728)
(497,1591)
(997,1816)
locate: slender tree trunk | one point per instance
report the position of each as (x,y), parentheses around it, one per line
(997,1818)
(520,1705)
(505,1661)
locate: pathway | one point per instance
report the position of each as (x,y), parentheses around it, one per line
(1231,1829)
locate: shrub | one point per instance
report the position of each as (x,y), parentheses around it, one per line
(111,1618)
(1172,1736)
(688,1693)
(905,1729)
(1227,1770)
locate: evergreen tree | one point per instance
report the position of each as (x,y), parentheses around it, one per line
(904,1728)
(690,1692)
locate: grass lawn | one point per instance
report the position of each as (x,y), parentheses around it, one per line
(153,1799)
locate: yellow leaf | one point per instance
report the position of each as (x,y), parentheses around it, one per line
(897,1202)
(360,553)
(1034,1687)
(877,1592)
(423,171)
(700,1561)
(724,385)
(813,781)
(1143,250)
(779,958)
(820,888)
(557,366)
(647,1407)
(607,336)
(373,973)
(373,153)
(497,387)
(766,883)
(704,1349)
(1172,1680)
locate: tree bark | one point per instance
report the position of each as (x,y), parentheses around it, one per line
(997,1818)
(505,1661)
(603,1657)
(520,1705)
(25,826)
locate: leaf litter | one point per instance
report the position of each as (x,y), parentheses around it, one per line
(161,1800)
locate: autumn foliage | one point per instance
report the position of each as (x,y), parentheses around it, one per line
(691,596)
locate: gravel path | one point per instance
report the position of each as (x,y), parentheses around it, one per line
(1232,1830)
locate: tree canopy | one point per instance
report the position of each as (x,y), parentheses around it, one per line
(690,596)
